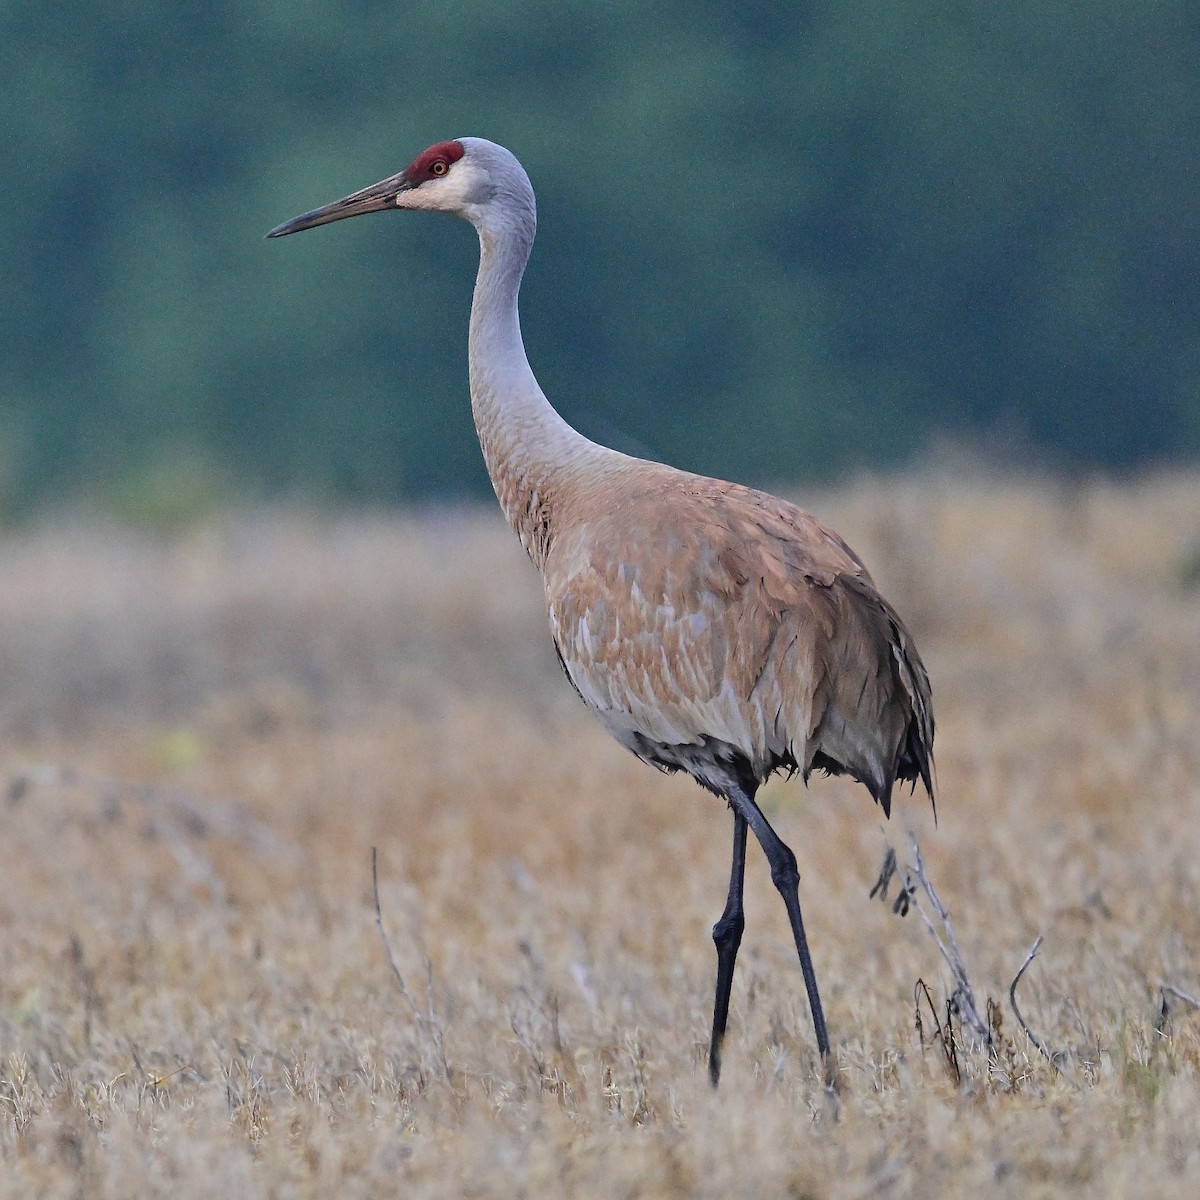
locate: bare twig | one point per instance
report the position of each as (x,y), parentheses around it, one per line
(1012,999)
(387,944)
(944,1034)
(434,1025)
(426,1021)
(962,1000)
(963,997)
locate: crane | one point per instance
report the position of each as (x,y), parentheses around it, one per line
(712,628)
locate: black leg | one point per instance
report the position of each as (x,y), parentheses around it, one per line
(727,933)
(786,878)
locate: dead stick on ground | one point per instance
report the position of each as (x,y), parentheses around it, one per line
(1012,999)
(426,1022)
(387,944)
(964,997)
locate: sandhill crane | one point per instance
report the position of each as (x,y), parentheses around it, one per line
(711,628)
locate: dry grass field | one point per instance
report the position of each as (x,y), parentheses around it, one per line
(204,733)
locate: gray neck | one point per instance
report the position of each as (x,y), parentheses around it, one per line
(530,451)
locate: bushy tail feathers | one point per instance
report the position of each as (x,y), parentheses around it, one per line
(872,711)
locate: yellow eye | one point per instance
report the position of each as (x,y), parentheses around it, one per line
(439,167)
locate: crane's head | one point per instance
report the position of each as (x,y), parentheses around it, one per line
(469,177)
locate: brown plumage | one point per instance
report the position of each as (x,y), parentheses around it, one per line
(720,630)
(711,628)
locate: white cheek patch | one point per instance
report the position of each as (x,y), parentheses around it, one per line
(459,182)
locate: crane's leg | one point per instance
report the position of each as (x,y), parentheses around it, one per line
(727,934)
(786,878)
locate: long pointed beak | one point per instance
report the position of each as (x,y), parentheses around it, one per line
(375,198)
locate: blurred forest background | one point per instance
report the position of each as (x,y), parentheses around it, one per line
(778,241)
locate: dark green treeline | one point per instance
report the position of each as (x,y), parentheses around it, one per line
(777,240)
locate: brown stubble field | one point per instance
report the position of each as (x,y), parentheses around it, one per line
(204,733)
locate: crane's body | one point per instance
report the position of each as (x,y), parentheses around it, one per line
(720,631)
(711,628)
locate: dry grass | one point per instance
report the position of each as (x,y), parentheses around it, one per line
(203,737)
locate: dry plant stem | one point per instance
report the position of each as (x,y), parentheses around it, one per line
(387,945)
(944,1034)
(1012,999)
(426,1021)
(963,998)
